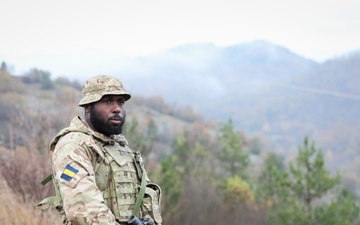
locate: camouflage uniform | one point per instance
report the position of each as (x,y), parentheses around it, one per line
(98,177)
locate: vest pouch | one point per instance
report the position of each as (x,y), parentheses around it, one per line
(151,202)
(125,190)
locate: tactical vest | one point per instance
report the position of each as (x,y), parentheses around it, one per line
(118,173)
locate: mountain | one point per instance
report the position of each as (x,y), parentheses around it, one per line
(266,89)
(224,79)
(215,74)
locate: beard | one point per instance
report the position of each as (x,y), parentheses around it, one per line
(101,126)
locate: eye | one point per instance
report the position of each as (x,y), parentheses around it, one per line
(121,102)
(106,100)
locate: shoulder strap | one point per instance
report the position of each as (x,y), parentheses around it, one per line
(143,184)
(46,179)
(53,201)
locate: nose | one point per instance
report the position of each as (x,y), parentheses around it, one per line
(116,108)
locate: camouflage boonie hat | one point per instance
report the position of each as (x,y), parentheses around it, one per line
(96,87)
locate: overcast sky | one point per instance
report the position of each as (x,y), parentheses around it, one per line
(52,35)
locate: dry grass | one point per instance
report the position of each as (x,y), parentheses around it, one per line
(20,176)
(13,211)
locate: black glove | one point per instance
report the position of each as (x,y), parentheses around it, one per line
(133,220)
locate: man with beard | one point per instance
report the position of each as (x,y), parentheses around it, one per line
(98,178)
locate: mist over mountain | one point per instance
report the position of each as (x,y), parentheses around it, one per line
(265,89)
(215,81)
(213,72)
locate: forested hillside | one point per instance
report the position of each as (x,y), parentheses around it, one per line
(211,172)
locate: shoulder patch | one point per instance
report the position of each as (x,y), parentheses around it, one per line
(68,173)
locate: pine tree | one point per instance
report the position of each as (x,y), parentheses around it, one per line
(311,194)
(232,155)
(183,175)
(273,180)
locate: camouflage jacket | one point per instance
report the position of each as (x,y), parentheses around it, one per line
(98,178)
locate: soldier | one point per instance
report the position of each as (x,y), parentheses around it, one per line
(98,179)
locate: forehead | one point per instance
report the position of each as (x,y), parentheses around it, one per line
(113,97)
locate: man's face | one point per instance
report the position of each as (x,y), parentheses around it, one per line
(107,116)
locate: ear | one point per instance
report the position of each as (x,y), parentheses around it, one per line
(87,108)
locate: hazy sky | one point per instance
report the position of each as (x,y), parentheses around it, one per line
(52,35)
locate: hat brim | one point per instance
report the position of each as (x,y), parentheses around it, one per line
(94,97)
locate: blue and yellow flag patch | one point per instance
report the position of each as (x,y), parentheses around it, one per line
(68,173)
